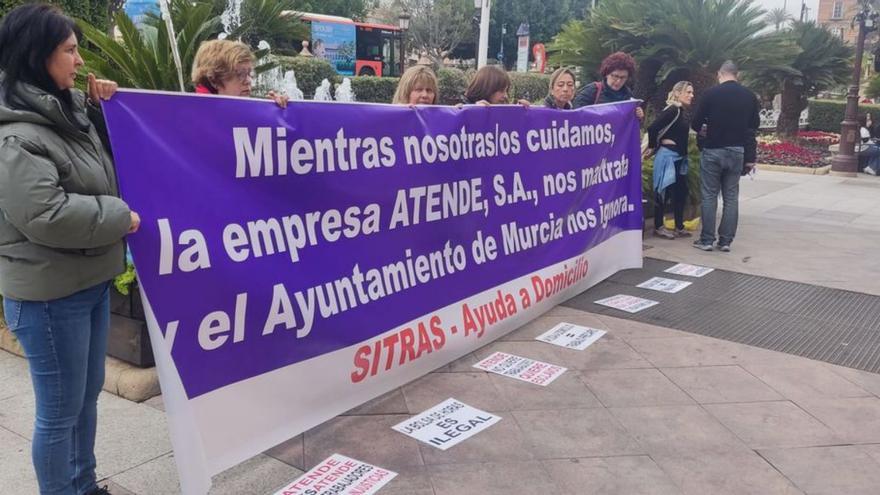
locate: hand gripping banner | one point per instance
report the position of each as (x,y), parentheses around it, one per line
(298,262)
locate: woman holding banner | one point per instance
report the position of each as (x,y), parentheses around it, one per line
(417,86)
(224,67)
(616,70)
(562,84)
(490,86)
(61,236)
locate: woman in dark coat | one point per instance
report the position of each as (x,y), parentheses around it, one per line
(616,70)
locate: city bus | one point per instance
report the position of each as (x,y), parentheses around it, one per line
(355,48)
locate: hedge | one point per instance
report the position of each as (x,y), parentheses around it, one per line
(374,89)
(529,86)
(452,84)
(92,11)
(309,72)
(826,115)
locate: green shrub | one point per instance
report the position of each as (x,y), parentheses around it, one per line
(309,72)
(92,11)
(452,84)
(529,86)
(374,89)
(826,115)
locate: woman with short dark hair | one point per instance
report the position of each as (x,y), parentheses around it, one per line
(62,226)
(616,70)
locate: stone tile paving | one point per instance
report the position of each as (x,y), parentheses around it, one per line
(645,410)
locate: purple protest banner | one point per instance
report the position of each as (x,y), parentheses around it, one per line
(297,262)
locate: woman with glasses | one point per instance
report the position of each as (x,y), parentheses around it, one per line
(223,67)
(616,70)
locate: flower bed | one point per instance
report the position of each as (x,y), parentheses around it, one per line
(791,154)
(818,138)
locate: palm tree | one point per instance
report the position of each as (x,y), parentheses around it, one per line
(674,40)
(142,59)
(824,61)
(778,17)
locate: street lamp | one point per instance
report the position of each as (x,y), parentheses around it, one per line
(846,162)
(403,23)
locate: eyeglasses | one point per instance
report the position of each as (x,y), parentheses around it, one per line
(617,77)
(244,75)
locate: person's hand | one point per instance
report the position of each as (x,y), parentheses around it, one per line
(648,153)
(459,106)
(748,168)
(100,89)
(483,103)
(524,103)
(280,99)
(135,223)
(640,114)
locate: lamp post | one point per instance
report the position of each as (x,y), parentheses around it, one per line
(846,162)
(403,23)
(485,7)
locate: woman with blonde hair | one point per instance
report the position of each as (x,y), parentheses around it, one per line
(417,86)
(225,67)
(562,83)
(668,135)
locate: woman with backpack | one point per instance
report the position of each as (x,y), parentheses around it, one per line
(616,70)
(668,135)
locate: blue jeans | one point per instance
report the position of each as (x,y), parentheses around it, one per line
(65,341)
(720,170)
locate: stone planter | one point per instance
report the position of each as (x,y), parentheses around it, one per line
(129,340)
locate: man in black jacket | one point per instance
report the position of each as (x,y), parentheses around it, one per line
(729,114)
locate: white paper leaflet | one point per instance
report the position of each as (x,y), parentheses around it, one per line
(630,304)
(688,270)
(664,284)
(525,369)
(339,475)
(571,336)
(447,424)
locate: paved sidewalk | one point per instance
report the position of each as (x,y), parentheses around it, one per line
(815,229)
(645,410)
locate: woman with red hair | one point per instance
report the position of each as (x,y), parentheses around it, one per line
(616,70)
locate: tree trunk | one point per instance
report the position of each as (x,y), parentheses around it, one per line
(645,86)
(793,103)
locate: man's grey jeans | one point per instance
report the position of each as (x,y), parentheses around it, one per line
(720,170)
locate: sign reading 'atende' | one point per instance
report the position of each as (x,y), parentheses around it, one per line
(339,475)
(525,369)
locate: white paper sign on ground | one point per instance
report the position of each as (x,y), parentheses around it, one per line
(571,336)
(525,369)
(688,270)
(664,284)
(630,304)
(447,424)
(339,475)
